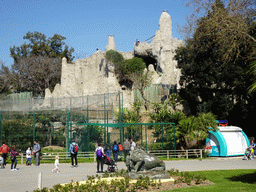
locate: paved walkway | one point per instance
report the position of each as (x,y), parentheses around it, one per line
(26,178)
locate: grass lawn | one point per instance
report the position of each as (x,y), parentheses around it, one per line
(226,180)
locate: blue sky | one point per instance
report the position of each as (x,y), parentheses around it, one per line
(86,23)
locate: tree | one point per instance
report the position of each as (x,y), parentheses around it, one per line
(37,65)
(202,64)
(132,115)
(195,128)
(141,80)
(133,69)
(231,21)
(36,73)
(117,61)
(17,132)
(234,26)
(215,59)
(163,113)
(39,45)
(252,71)
(6,78)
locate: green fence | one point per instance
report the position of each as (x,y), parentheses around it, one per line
(141,133)
(52,125)
(88,120)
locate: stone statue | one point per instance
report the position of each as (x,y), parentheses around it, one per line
(139,160)
(141,163)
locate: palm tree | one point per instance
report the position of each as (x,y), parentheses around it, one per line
(253,72)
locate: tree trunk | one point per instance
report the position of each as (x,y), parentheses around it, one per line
(146,101)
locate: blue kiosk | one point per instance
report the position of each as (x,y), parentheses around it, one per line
(227,141)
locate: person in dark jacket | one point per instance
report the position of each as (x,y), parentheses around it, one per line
(115,151)
(107,150)
(13,158)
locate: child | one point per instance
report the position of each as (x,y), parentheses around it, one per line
(246,155)
(56,165)
(1,161)
(28,156)
(13,158)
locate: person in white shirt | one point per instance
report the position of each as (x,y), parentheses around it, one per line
(28,156)
(56,165)
(133,145)
(99,154)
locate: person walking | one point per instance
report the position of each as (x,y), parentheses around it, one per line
(133,145)
(13,158)
(4,149)
(99,154)
(115,151)
(107,150)
(28,156)
(127,148)
(73,151)
(253,146)
(56,165)
(36,153)
(120,150)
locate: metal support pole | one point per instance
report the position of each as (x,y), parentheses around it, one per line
(174,137)
(34,126)
(107,122)
(119,99)
(1,129)
(146,138)
(141,135)
(162,136)
(89,134)
(87,111)
(104,120)
(67,131)
(122,120)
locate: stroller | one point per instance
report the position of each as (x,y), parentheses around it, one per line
(112,166)
(248,154)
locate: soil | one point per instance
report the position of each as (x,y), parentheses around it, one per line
(171,185)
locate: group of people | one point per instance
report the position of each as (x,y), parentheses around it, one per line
(250,151)
(4,150)
(118,149)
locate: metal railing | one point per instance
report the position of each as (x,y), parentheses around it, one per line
(92,155)
(178,153)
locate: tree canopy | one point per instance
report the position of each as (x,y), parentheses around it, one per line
(40,45)
(215,59)
(132,69)
(37,64)
(5,79)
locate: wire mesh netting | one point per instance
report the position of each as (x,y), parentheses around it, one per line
(155,93)
(141,133)
(88,120)
(51,122)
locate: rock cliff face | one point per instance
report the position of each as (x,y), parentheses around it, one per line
(161,51)
(92,75)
